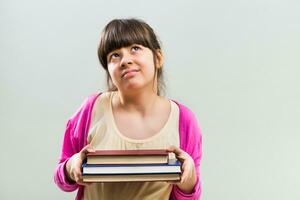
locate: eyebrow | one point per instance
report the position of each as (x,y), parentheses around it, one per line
(129,46)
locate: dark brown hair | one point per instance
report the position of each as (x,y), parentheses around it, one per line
(120,33)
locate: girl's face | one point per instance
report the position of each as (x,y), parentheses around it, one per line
(132,67)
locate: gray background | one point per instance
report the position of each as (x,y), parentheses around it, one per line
(235,63)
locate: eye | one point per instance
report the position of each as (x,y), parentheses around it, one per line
(135,48)
(113,56)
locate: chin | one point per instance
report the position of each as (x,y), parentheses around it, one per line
(134,87)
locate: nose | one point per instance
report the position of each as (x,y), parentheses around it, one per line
(126,59)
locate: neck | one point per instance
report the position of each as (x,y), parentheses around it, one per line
(141,102)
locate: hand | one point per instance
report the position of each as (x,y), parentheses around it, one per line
(73,166)
(188,177)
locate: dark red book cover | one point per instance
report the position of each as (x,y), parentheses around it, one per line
(158,152)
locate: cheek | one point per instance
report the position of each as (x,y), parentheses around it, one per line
(111,71)
(149,62)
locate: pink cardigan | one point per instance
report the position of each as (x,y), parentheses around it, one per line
(75,139)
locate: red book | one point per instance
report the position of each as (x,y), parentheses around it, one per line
(145,156)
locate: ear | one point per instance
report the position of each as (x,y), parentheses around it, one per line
(159,59)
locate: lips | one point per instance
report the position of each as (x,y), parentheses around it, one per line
(128,71)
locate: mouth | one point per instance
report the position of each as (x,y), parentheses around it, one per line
(124,73)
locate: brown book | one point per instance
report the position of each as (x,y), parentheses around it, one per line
(147,156)
(131,177)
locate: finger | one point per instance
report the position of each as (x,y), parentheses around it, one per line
(81,182)
(171,148)
(189,170)
(84,183)
(87,149)
(182,158)
(76,178)
(186,170)
(175,150)
(183,176)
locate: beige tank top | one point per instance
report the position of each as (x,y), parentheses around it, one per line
(104,134)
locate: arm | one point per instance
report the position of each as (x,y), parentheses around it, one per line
(191,143)
(60,178)
(74,142)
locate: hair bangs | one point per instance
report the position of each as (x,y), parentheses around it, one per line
(121,33)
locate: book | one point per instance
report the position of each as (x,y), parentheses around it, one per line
(147,156)
(131,177)
(173,166)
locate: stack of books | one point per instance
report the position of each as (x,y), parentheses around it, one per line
(130,165)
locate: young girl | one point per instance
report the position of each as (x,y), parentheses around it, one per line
(131,115)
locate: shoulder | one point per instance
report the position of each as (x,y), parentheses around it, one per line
(185,113)
(85,108)
(189,130)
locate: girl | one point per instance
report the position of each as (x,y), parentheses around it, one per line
(131,115)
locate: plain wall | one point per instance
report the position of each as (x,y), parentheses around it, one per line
(235,63)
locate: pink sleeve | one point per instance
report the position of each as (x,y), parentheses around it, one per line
(190,142)
(67,151)
(75,139)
